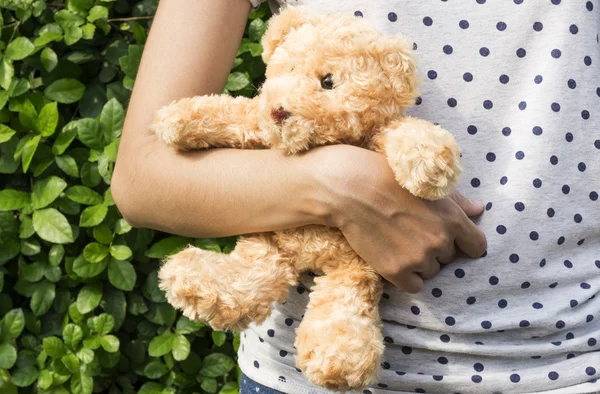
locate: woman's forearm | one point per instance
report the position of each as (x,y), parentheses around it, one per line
(220,192)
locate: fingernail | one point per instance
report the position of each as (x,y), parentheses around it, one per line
(477,203)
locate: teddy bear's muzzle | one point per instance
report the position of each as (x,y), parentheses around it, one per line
(279,115)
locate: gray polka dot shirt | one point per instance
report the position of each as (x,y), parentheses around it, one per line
(518,83)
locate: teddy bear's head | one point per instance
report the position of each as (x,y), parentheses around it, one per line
(331,79)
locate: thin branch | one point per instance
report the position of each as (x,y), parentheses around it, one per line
(14,31)
(59,5)
(11,25)
(135,18)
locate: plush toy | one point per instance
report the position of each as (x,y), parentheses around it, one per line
(330,79)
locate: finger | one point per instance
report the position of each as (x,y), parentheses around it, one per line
(471,208)
(410,283)
(470,239)
(429,269)
(448,256)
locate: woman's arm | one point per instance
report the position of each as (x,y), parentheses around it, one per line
(190,50)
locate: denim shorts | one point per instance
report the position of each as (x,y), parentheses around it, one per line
(249,386)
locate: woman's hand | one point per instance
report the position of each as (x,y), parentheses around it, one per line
(404,238)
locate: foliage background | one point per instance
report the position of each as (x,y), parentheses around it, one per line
(79,304)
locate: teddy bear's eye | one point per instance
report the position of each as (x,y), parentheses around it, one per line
(327,82)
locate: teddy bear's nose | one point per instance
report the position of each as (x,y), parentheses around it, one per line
(279,115)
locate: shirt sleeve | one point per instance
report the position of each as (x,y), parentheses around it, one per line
(255,3)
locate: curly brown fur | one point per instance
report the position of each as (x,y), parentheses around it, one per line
(374,80)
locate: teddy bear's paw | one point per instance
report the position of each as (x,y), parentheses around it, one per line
(168,124)
(432,171)
(221,289)
(340,353)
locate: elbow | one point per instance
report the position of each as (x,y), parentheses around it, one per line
(124,196)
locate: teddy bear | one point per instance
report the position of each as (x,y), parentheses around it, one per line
(330,79)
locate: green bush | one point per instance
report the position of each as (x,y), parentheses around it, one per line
(79,304)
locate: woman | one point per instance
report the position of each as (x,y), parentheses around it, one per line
(518,84)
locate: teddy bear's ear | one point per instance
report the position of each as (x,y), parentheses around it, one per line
(400,65)
(280,25)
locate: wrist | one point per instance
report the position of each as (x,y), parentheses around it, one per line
(335,183)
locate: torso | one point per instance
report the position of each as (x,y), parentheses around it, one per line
(518,84)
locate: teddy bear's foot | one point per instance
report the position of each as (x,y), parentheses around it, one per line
(342,352)
(339,340)
(228,291)
(424,157)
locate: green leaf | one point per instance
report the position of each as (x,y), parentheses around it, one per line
(64,139)
(155,369)
(216,364)
(121,275)
(95,252)
(52,226)
(167,246)
(6,132)
(93,216)
(24,377)
(151,388)
(42,297)
(83,195)
(229,388)
(54,347)
(90,133)
(68,165)
(162,344)
(122,227)
(219,337)
(11,200)
(236,81)
(72,35)
(181,348)
(65,91)
(111,120)
(71,362)
(89,297)
(98,12)
(186,326)
(48,58)
(85,355)
(28,151)
(56,254)
(3,100)
(47,190)
(13,324)
(85,269)
(82,383)
(45,379)
(110,343)
(19,49)
(7,71)
(120,252)
(209,385)
(26,230)
(47,120)
(103,234)
(102,324)
(256,29)
(72,335)
(114,303)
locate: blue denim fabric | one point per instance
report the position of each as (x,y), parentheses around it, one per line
(249,386)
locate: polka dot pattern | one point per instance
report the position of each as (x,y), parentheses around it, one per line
(518,84)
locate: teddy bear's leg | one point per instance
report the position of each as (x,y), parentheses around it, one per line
(228,291)
(424,157)
(339,340)
(209,121)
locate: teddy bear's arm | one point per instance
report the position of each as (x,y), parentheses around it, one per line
(424,157)
(209,121)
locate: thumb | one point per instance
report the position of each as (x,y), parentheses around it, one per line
(471,208)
